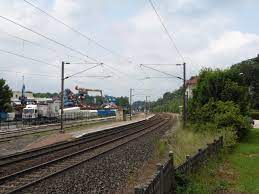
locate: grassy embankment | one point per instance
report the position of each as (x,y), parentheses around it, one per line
(235,171)
(182,143)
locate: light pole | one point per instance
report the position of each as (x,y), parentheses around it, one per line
(146,106)
(63,78)
(184,97)
(62,96)
(130,103)
(173,76)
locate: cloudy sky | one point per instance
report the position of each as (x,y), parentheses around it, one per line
(208,34)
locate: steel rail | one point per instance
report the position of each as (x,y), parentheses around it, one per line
(41,128)
(53,162)
(29,154)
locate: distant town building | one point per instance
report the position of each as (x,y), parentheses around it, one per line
(30,99)
(18,94)
(190,85)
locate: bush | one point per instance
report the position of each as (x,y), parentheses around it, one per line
(220,115)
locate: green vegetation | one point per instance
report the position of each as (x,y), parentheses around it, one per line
(122,101)
(235,171)
(220,102)
(220,116)
(170,102)
(45,95)
(183,142)
(5,97)
(249,72)
(254,114)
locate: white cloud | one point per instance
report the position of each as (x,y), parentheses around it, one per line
(233,41)
(228,48)
(204,34)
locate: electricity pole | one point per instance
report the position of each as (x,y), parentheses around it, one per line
(184,85)
(130,103)
(146,107)
(62,98)
(184,97)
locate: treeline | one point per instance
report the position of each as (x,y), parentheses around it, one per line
(45,95)
(170,102)
(222,100)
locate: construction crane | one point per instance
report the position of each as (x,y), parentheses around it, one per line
(83,92)
(86,90)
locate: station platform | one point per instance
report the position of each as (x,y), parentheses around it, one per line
(81,133)
(70,135)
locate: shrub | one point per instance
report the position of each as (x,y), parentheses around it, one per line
(220,115)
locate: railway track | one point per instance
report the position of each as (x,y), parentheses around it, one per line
(82,150)
(9,135)
(11,163)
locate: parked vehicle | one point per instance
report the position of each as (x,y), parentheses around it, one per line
(32,111)
(89,113)
(107,112)
(5,116)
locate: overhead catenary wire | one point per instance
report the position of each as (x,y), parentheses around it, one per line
(48,38)
(53,76)
(168,74)
(72,75)
(155,77)
(20,72)
(165,29)
(58,43)
(76,31)
(29,58)
(80,33)
(40,45)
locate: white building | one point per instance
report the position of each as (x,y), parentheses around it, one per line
(190,85)
(18,94)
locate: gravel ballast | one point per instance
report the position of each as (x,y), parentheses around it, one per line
(106,173)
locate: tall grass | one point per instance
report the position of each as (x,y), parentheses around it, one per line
(184,142)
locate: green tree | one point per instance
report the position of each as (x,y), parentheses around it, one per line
(170,102)
(248,75)
(5,97)
(122,101)
(218,85)
(220,115)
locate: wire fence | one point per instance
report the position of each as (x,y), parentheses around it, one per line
(20,122)
(164,181)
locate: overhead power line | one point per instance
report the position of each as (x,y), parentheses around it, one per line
(20,72)
(169,64)
(156,77)
(48,38)
(40,45)
(95,76)
(168,74)
(82,71)
(76,31)
(53,76)
(165,29)
(29,58)
(61,44)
